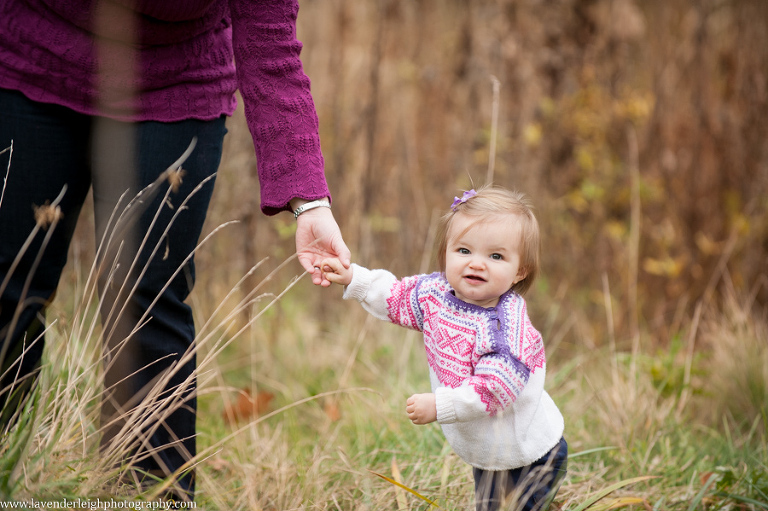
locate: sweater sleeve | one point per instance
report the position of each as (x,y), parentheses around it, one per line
(278,104)
(386,297)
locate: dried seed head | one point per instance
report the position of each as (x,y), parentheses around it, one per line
(46,214)
(174,178)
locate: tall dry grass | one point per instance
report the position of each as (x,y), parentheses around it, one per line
(639,129)
(337,417)
(640,434)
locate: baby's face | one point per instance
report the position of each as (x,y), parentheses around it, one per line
(482,260)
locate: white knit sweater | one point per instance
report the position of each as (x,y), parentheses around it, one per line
(486,366)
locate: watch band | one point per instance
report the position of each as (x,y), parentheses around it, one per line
(321,203)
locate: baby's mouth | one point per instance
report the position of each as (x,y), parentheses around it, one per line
(474,278)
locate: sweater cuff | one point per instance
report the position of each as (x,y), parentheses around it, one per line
(446,414)
(361,283)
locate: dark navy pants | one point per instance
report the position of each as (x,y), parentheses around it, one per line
(145,274)
(530,488)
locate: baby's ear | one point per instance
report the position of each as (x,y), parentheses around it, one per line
(522,272)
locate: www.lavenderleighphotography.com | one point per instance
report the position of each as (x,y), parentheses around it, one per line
(95,504)
(384,255)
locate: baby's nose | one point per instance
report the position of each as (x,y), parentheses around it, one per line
(477,262)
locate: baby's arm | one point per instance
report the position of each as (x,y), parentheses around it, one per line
(379,292)
(374,289)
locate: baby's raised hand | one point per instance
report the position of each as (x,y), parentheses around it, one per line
(335,272)
(421,408)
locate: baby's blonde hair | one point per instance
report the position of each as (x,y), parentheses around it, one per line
(494,200)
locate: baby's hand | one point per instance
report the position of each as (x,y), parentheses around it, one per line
(421,408)
(335,272)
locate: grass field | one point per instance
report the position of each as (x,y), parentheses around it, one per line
(681,429)
(639,130)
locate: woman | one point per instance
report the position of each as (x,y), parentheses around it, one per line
(108,94)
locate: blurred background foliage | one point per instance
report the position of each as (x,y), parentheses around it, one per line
(640,129)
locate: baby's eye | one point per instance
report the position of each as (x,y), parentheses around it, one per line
(497,257)
(463,251)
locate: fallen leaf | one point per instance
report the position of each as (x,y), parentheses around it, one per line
(246,406)
(332,410)
(219,464)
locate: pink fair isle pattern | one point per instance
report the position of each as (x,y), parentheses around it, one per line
(533,350)
(449,344)
(401,311)
(531,346)
(492,350)
(490,400)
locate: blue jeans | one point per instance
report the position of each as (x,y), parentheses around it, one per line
(529,488)
(55,149)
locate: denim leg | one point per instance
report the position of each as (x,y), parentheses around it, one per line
(50,145)
(149,329)
(529,488)
(54,147)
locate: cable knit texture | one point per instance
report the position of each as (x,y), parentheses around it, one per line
(141,60)
(487,366)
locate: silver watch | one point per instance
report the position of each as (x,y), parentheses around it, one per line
(321,203)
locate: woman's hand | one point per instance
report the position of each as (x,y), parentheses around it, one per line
(317,238)
(421,408)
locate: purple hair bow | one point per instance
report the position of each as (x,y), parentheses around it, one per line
(464,198)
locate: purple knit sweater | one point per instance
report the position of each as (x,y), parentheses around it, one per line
(138,60)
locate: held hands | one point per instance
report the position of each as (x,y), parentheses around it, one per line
(421,408)
(317,238)
(334,271)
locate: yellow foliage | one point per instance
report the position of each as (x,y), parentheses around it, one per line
(706,244)
(666,267)
(636,106)
(548,107)
(616,230)
(584,159)
(577,202)
(741,224)
(532,134)
(380,223)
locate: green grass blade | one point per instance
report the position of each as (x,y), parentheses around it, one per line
(700,496)
(618,503)
(610,489)
(739,498)
(18,445)
(409,490)
(591,451)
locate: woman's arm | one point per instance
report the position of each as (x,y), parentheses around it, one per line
(281,116)
(278,104)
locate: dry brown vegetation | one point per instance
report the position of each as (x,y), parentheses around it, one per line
(639,128)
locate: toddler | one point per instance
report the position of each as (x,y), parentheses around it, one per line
(486,360)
